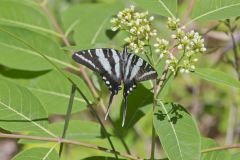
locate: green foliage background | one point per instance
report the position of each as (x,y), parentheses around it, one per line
(37,39)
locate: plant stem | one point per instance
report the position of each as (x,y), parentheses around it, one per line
(153,129)
(69,110)
(99,148)
(233,110)
(235,51)
(102,125)
(221,148)
(163,84)
(66,141)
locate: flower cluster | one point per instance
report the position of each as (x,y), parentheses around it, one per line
(162,47)
(189,44)
(173,23)
(138,24)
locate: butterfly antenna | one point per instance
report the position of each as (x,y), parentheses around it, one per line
(124,110)
(109,104)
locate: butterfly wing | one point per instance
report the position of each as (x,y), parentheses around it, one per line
(135,70)
(107,63)
(104,61)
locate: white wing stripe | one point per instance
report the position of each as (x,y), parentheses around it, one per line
(90,53)
(128,66)
(86,60)
(117,63)
(104,61)
(136,68)
(146,74)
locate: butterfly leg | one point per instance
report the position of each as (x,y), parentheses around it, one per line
(109,104)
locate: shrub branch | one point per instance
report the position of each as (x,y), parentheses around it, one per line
(67,141)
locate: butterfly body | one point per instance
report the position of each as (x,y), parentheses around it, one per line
(115,67)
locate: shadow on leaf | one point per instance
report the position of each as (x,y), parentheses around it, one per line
(34,120)
(19,74)
(173,115)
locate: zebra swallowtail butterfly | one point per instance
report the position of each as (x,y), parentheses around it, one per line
(115,67)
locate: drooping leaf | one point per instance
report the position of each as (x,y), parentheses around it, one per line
(15,54)
(215,10)
(21,110)
(89,30)
(25,14)
(177,131)
(37,154)
(166,8)
(217,77)
(213,155)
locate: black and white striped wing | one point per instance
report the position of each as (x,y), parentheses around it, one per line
(136,70)
(106,62)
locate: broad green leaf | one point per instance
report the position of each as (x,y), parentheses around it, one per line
(37,154)
(21,110)
(51,88)
(217,77)
(82,86)
(213,155)
(177,131)
(166,8)
(90,22)
(26,15)
(215,9)
(78,130)
(15,54)
(235,156)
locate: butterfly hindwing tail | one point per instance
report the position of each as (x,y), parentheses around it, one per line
(109,104)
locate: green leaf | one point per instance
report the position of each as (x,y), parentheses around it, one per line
(166,8)
(213,155)
(26,15)
(82,86)
(215,10)
(37,154)
(51,87)
(78,130)
(138,104)
(217,77)
(90,22)
(21,110)
(177,131)
(53,90)
(25,58)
